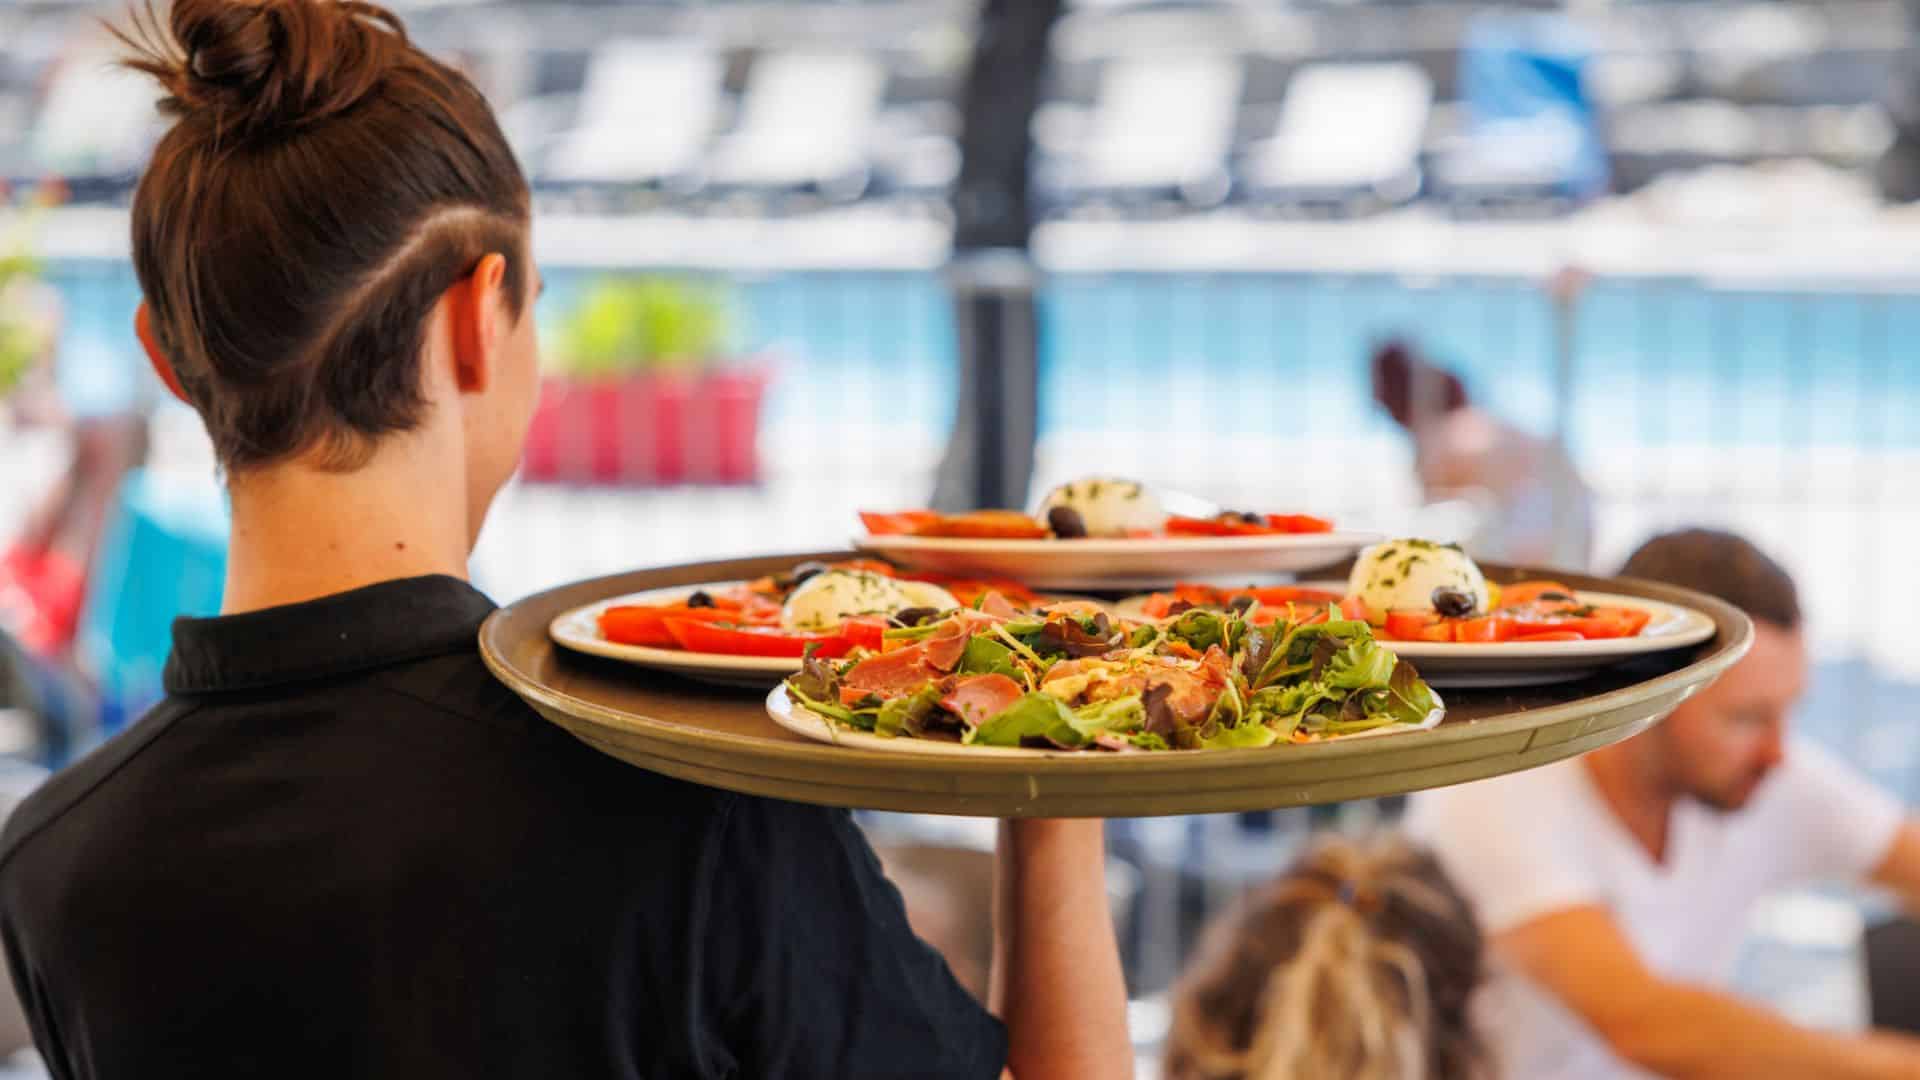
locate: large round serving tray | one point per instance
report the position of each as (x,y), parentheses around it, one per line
(724,738)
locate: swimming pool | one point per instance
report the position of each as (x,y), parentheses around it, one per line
(1655,362)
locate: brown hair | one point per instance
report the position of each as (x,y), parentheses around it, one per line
(1410,388)
(1358,963)
(1723,565)
(323,184)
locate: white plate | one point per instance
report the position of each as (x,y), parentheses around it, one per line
(579,630)
(1520,663)
(818,728)
(1115,563)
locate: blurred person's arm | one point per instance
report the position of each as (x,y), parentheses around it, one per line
(1057,983)
(1900,869)
(1678,1030)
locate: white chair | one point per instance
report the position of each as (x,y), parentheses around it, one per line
(646,113)
(807,119)
(1161,123)
(1347,129)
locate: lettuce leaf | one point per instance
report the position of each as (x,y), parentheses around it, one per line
(1361,665)
(1245,735)
(907,715)
(1409,698)
(1033,716)
(985,656)
(1120,715)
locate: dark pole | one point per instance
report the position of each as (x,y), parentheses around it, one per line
(989,459)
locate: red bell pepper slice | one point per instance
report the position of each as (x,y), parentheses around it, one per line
(696,636)
(646,624)
(898,522)
(1299,523)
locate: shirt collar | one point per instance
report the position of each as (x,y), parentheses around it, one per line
(376,626)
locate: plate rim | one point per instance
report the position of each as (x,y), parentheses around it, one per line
(1109,546)
(662,659)
(781,709)
(1699,626)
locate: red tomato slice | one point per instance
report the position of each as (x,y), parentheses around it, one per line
(1417,626)
(1308,614)
(1526,592)
(696,636)
(865,632)
(646,624)
(896,523)
(1299,523)
(1353,607)
(1289,594)
(1487,628)
(1636,619)
(1548,635)
(985,525)
(1608,622)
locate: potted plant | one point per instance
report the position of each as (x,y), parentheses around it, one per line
(640,394)
(29,309)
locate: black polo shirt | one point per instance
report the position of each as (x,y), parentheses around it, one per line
(341,849)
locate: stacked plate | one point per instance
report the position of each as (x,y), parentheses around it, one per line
(1117,567)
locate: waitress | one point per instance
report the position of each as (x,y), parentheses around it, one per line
(339,848)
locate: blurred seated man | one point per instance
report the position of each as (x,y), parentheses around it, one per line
(1536,509)
(1615,887)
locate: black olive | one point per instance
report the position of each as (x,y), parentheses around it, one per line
(700,599)
(1241,604)
(1452,602)
(914,616)
(1556,597)
(1252,519)
(807,569)
(1066,522)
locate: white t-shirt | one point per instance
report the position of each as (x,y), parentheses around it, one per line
(1541,841)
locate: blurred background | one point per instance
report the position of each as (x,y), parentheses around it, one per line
(806,258)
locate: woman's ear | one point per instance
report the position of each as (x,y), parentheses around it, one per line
(143,328)
(477,323)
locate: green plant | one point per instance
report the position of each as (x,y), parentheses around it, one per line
(637,323)
(25,333)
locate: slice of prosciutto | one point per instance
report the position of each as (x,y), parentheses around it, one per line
(979,698)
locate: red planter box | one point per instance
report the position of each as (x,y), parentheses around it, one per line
(648,429)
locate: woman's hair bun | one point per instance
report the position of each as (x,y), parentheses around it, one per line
(263,66)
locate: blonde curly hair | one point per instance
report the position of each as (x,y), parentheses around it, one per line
(1356,964)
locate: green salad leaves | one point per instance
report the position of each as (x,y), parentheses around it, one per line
(1205,679)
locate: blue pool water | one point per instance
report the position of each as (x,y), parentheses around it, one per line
(1655,363)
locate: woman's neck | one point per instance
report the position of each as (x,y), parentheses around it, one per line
(300,533)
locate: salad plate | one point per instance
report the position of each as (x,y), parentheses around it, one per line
(742,633)
(1521,662)
(812,725)
(1535,663)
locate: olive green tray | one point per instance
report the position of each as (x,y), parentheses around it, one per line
(723,737)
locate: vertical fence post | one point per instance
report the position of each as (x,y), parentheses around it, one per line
(989,458)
